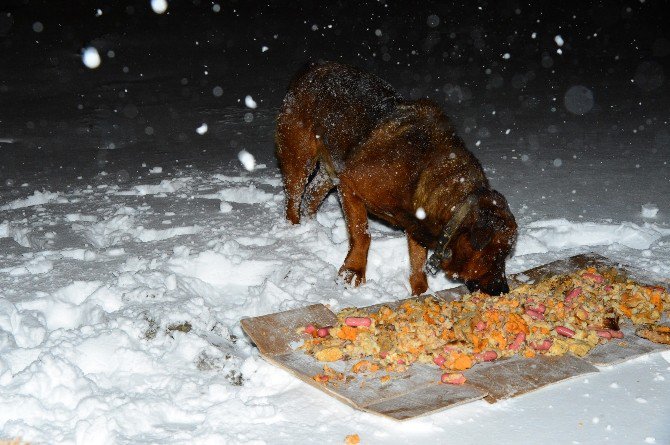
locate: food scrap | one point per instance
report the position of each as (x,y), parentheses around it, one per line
(657,334)
(352,439)
(329,376)
(558,315)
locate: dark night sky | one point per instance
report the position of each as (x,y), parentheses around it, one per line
(165,67)
(601,38)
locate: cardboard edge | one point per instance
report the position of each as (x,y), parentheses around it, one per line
(480,396)
(277,341)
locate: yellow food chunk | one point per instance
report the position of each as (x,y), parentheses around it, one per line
(579,348)
(329,355)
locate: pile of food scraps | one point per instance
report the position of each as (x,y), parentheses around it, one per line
(562,314)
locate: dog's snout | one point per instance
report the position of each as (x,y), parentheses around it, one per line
(494,287)
(499,287)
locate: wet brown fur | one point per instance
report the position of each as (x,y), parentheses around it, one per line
(389,157)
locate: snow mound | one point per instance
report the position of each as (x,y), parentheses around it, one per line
(80,303)
(37,198)
(146,235)
(649,210)
(560,234)
(165,186)
(107,233)
(222,270)
(242,195)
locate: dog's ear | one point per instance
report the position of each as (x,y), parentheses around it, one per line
(482,230)
(489,220)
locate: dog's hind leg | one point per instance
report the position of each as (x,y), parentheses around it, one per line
(297,154)
(316,191)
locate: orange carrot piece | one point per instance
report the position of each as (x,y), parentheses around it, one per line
(655,299)
(462,363)
(529,353)
(428,319)
(347,333)
(502,341)
(626,310)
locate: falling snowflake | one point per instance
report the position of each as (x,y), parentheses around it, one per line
(250,102)
(159,6)
(90,57)
(247,160)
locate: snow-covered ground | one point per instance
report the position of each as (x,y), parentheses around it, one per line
(133,238)
(120,309)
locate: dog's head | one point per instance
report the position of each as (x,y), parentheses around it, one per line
(481,243)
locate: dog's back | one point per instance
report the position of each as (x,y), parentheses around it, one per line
(338,103)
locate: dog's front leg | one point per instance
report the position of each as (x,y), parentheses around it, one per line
(356,218)
(417,263)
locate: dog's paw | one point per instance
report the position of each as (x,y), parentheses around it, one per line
(419,283)
(351,277)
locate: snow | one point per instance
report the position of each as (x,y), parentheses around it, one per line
(649,210)
(202,129)
(247,160)
(159,6)
(124,273)
(90,57)
(433,21)
(250,102)
(579,99)
(37,198)
(93,349)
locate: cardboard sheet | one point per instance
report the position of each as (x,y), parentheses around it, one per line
(418,391)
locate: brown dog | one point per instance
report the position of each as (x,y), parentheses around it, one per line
(400,161)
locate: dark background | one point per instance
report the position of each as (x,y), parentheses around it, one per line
(60,120)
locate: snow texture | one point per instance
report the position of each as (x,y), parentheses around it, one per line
(128,330)
(124,273)
(649,210)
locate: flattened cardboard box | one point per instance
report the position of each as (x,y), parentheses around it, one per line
(418,392)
